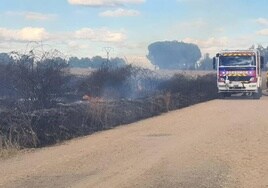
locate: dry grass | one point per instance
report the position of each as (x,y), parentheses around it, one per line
(6,153)
(7,150)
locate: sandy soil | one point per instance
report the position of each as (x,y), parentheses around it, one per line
(221,143)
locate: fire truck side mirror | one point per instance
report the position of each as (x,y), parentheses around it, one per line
(214,63)
(262,62)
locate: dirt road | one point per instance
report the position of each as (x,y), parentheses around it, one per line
(221,143)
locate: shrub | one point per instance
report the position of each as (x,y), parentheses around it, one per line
(39,81)
(49,126)
(187,85)
(117,83)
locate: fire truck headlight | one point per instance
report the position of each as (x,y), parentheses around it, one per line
(253,79)
(221,79)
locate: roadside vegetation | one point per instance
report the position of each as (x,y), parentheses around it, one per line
(8,152)
(42,104)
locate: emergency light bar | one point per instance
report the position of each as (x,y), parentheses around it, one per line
(238,54)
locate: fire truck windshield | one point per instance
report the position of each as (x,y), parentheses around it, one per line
(237,61)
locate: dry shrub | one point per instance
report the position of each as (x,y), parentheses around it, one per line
(39,80)
(107,82)
(7,148)
(16,130)
(127,82)
(185,90)
(49,126)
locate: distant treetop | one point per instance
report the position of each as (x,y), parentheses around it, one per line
(174,55)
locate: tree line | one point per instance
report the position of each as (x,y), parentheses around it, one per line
(164,55)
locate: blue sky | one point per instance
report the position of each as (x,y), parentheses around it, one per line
(84,27)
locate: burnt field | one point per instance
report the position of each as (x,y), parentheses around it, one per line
(44,104)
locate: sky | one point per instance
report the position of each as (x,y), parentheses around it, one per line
(84,28)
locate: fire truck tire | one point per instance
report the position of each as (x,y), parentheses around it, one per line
(224,95)
(227,94)
(258,94)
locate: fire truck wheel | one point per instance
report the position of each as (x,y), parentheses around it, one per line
(258,94)
(224,95)
(227,94)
